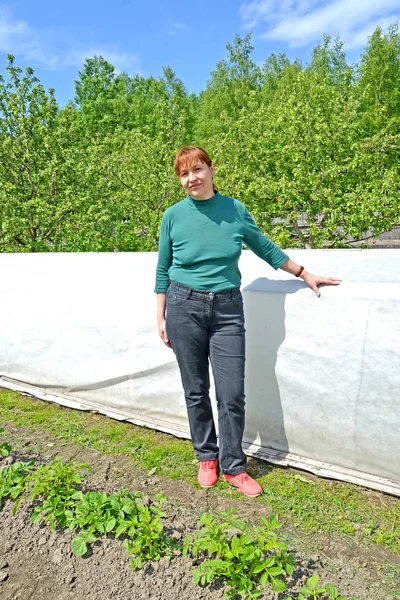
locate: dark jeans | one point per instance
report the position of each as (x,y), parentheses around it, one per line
(202,326)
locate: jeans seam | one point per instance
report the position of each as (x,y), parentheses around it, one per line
(234,471)
(217,396)
(207,455)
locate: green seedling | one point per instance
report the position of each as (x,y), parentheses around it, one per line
(56,484)
(5,448)
(147,532)
(13,481)
(122,512)
(80,542)
(246,558)
(95,512)
(334,594)
(92,511)
(314,591)
(311,589)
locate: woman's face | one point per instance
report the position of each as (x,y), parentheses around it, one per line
(197,180)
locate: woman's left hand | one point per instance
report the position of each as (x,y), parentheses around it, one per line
(313,281)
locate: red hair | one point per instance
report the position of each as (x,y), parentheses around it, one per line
(187,155)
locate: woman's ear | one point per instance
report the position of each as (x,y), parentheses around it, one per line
(212,169)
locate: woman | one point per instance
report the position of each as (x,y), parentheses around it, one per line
(200,310)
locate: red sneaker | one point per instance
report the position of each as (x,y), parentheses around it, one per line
(245,484)
(207,476)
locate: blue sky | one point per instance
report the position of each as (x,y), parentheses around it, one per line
(145,35)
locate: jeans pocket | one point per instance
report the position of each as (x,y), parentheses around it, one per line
(237,298)
(177,297)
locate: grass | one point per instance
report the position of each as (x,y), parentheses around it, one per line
(312,504)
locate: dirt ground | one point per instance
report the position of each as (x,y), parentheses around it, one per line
(37,563)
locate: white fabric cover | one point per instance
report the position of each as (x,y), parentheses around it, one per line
(322,374)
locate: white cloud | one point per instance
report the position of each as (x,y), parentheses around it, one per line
(360,37)
(17,37)
(300,22)
(176,28)
(34,47)
(122,61)
(10,30)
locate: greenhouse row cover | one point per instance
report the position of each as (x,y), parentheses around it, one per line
(322,374)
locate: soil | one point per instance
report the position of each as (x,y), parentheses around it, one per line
(37,563)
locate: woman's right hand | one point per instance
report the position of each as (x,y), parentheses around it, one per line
(162,331)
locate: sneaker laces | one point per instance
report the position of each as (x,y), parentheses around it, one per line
(207,465)
(242,477)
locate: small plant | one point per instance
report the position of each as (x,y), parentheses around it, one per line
(60,502)
(56,483)
(95,512)
(14,479)
(5,448)
(313,591)
(245,557)
(92,512)
(147,532)
(81,541)
(122,512)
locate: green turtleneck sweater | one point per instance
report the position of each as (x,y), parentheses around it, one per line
(201,242)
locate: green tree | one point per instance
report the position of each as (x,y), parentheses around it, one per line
(379,80)
(96,79)
(273,69)
(329,61)
(133,174)
(313,152)
(36,163)
(96,89)
(228,89)
(302,168)
(108,101)
(136,106)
